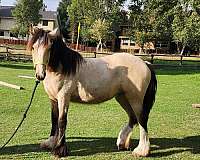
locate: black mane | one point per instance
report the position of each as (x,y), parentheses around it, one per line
(68,58)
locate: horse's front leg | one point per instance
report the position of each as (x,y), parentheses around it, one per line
(60,148)
(50,142)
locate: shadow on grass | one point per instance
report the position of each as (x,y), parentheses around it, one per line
(176,70)
(16,66)
(84,146)
(20,149)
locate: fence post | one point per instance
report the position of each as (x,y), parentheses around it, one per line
(152,58)
(95,55)
(181,60)
(7,50)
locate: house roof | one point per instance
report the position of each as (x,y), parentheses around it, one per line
(48,15)
(6,12)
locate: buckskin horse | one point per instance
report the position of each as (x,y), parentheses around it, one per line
(67,76)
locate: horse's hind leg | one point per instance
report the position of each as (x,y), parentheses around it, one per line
(123,141)
(143,148)
(50,142)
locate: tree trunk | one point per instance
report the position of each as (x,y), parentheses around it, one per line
(183,48)
(97,49)
(99,45)
(178,49)
(141,51)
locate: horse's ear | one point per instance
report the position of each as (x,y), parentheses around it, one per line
(53,34)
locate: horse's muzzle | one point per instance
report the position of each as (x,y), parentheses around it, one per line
(40,72)
(40,77)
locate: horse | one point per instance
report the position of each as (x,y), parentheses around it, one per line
(68,77)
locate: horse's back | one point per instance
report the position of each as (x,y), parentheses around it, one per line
(129,65)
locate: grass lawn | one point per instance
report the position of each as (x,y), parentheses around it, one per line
(174,126)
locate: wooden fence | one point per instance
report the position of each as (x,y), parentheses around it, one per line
(22,55)
(82,48)
(13,41)
(14,54)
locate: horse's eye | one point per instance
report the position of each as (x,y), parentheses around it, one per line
(51,40)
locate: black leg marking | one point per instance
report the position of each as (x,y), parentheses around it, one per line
(54,117)
(61,149)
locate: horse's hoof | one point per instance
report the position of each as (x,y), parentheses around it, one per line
(138,152)
(61,151)
(122,147)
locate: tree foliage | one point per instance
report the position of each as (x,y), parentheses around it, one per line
(26,12)
(100,31)
(186,24)
(141,23)
(166,20)
(64,17)
(88,11)
(148,20)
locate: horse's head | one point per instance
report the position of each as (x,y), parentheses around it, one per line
(40,44)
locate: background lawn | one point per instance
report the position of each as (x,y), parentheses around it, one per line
(174,126)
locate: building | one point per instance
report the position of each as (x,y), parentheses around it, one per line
(128,45)
(7,21)
(48,20)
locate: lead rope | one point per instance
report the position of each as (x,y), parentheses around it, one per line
(24,116)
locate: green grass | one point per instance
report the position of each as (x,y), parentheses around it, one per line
(174,128)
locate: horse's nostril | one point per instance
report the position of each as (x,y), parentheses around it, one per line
(40,77)
(36,75)
(44,75)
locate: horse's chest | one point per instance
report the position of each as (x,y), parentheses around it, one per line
(52,86)
(51,89)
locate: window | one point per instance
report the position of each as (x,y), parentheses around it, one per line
(132,43)
(45,23)
(13,35)
(125,41)
(1,33)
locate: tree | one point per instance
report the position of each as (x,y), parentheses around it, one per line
(100,31)
(64,17)
(186,30)
(174,20)
(141,23)
(162,15)
(74,12)
(88,11)
(26,12)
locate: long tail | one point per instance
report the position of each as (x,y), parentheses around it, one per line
(150,95)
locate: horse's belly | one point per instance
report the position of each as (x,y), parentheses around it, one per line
(93,96)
